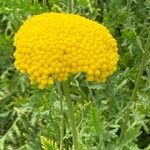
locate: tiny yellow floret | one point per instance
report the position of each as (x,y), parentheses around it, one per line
(49,46)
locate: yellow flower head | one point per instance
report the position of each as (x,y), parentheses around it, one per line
(52,45)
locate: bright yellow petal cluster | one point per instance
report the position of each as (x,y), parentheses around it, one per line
(52,45)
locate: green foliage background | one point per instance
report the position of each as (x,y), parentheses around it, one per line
(30,118)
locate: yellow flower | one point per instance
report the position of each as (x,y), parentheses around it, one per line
(52,45)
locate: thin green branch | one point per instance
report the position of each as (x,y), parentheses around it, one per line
(144,59)
(71,114)
(59,88)
(137,84)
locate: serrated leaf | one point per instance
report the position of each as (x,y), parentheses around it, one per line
(131,134)
(17,131)
(96,87)
(11,136)
(47,144)
(5,114)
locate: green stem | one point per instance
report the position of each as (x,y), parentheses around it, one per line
(71,114)
(144,59)
(44,2)
(70,6)
(58,84)
(137,84)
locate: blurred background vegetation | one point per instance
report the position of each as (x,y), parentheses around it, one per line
(29,117)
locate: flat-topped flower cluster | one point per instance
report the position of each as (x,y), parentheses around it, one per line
(49,46)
